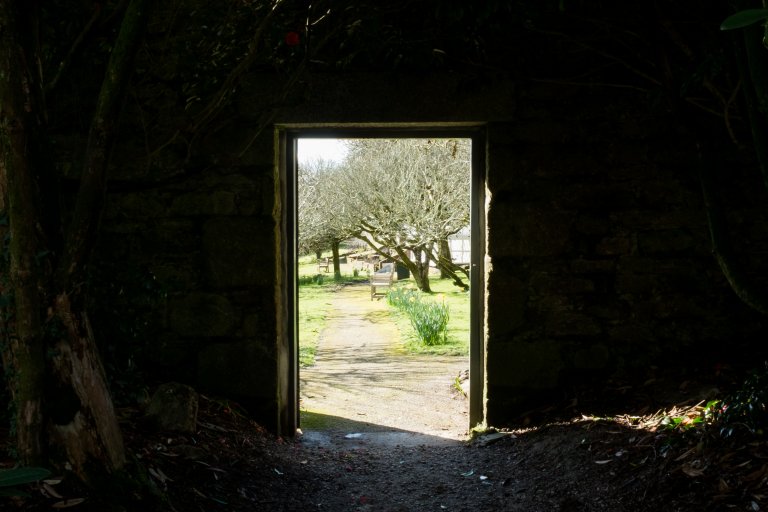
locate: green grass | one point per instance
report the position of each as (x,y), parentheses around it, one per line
(314,302)
(315,299)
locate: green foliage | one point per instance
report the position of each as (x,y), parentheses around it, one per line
(744,18)
(428,318)
(400,296)
(694,417)
(746,407)
(317,279)
(10,478)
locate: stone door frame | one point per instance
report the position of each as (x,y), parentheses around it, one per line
(286,137)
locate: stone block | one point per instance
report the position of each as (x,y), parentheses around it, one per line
(506,301)
(614,246)
(591,357)
(667,241)
(593,266)
(202,315)
(173,407)
(524,364)
(570,323)
(239,251)
(220,202)
(238,369)
(516,231)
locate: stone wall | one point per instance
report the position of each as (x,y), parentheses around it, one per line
(601,267)
(598,253)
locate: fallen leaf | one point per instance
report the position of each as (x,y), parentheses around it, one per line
(50,491)
(755,475)
(691,471)
(68,503)
(686,454)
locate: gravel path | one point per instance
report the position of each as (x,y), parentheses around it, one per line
(363,383)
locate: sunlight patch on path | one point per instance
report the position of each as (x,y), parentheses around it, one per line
(361,383)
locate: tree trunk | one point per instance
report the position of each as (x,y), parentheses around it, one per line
(745,288)
(84,424)
(753,70)
(418,268)
(422,269)
(52,364)
(82,417)
(93,184)
(443,255)
(24,358)
(336,263)
(450,270)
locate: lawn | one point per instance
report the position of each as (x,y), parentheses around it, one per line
(314,300)
(458,322)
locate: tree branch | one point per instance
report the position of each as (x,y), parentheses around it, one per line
(722,249)
(90,197)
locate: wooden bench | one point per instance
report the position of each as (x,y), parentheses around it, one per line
(381,281)
(323,264)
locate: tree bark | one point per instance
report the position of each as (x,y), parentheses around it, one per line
(25,356)
(93,184)
(336,263)
(64,412)
(418,268)
(449,270)
(745,288)
(84,424)
(443,254)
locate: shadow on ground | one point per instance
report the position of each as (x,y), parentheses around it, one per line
(335,432)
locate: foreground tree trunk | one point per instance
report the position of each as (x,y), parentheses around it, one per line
(20,94)
(64,409)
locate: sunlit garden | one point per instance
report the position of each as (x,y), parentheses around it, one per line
(436,323)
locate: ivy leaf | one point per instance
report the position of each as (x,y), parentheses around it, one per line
(18,476)
(744,18)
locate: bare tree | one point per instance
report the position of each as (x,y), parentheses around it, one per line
(408,196)
(324,220)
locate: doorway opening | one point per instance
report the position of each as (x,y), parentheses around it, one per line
(383,173)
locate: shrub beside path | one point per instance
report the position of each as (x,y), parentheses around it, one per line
(363,382)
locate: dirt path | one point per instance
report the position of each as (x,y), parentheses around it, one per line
(363,383)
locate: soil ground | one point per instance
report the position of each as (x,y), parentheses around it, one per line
(410,457)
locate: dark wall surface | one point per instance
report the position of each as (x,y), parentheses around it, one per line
(598,264)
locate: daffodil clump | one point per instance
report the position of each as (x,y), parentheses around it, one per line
(429,318)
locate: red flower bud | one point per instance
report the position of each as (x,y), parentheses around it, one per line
(292,38)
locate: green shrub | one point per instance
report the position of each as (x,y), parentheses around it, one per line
(317,279)
(428,318)
(401,296)
(430,321)
(747,408)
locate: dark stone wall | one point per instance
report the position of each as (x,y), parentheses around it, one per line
(598,262)
(601,269)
